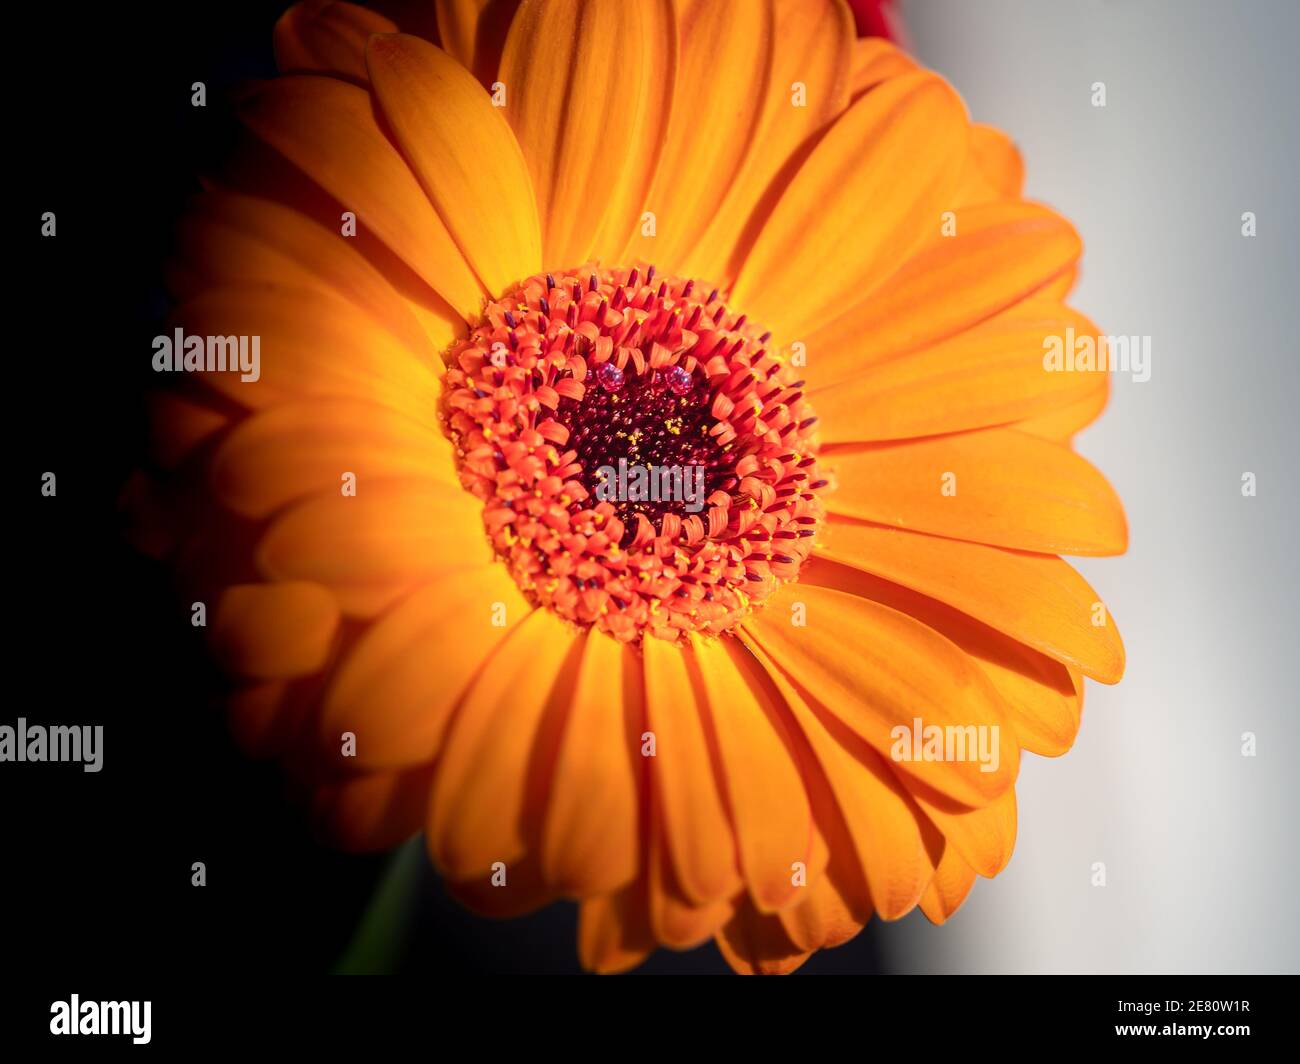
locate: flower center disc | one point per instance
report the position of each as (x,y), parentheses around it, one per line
(645,463)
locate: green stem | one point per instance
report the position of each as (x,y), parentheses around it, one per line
(380,938)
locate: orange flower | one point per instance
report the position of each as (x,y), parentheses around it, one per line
(720,237)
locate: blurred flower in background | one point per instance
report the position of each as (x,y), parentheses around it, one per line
(877,18)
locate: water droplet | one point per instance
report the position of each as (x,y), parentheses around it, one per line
(679,381)
(609,376)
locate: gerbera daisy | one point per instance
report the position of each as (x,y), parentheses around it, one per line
(490,260)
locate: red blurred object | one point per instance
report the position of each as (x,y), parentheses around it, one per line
(876,18)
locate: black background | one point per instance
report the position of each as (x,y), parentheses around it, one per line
(97,867)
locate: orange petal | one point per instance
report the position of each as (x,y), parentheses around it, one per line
(685,773)
(676,921)
(989,375)
(328,129)
(825,918)
(901,670)
(998,160)
(257,172)
(755,943)
(579,73)
(1060,286)
(493,755)
(764,791)
(810,57)
(1000,254)
(473,32)
(1042,697)
(614,930)
(874,60)
(464,154)
(974,186)
(838,903)
(867,196)
(523,891)
(274,631)
(1062,423)
(310,344)
(369,548)
(1037,599)
(374,812)
(590,842)
(179,424)
(384,690)
(233,239)
(878,820)
(721,72)
(984,837)
(326,37)
(1002,487)
(297,449)
(264,720)
(643,142)
(1045,712)
(948,889)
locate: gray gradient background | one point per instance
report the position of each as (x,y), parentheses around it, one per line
(1201,124)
